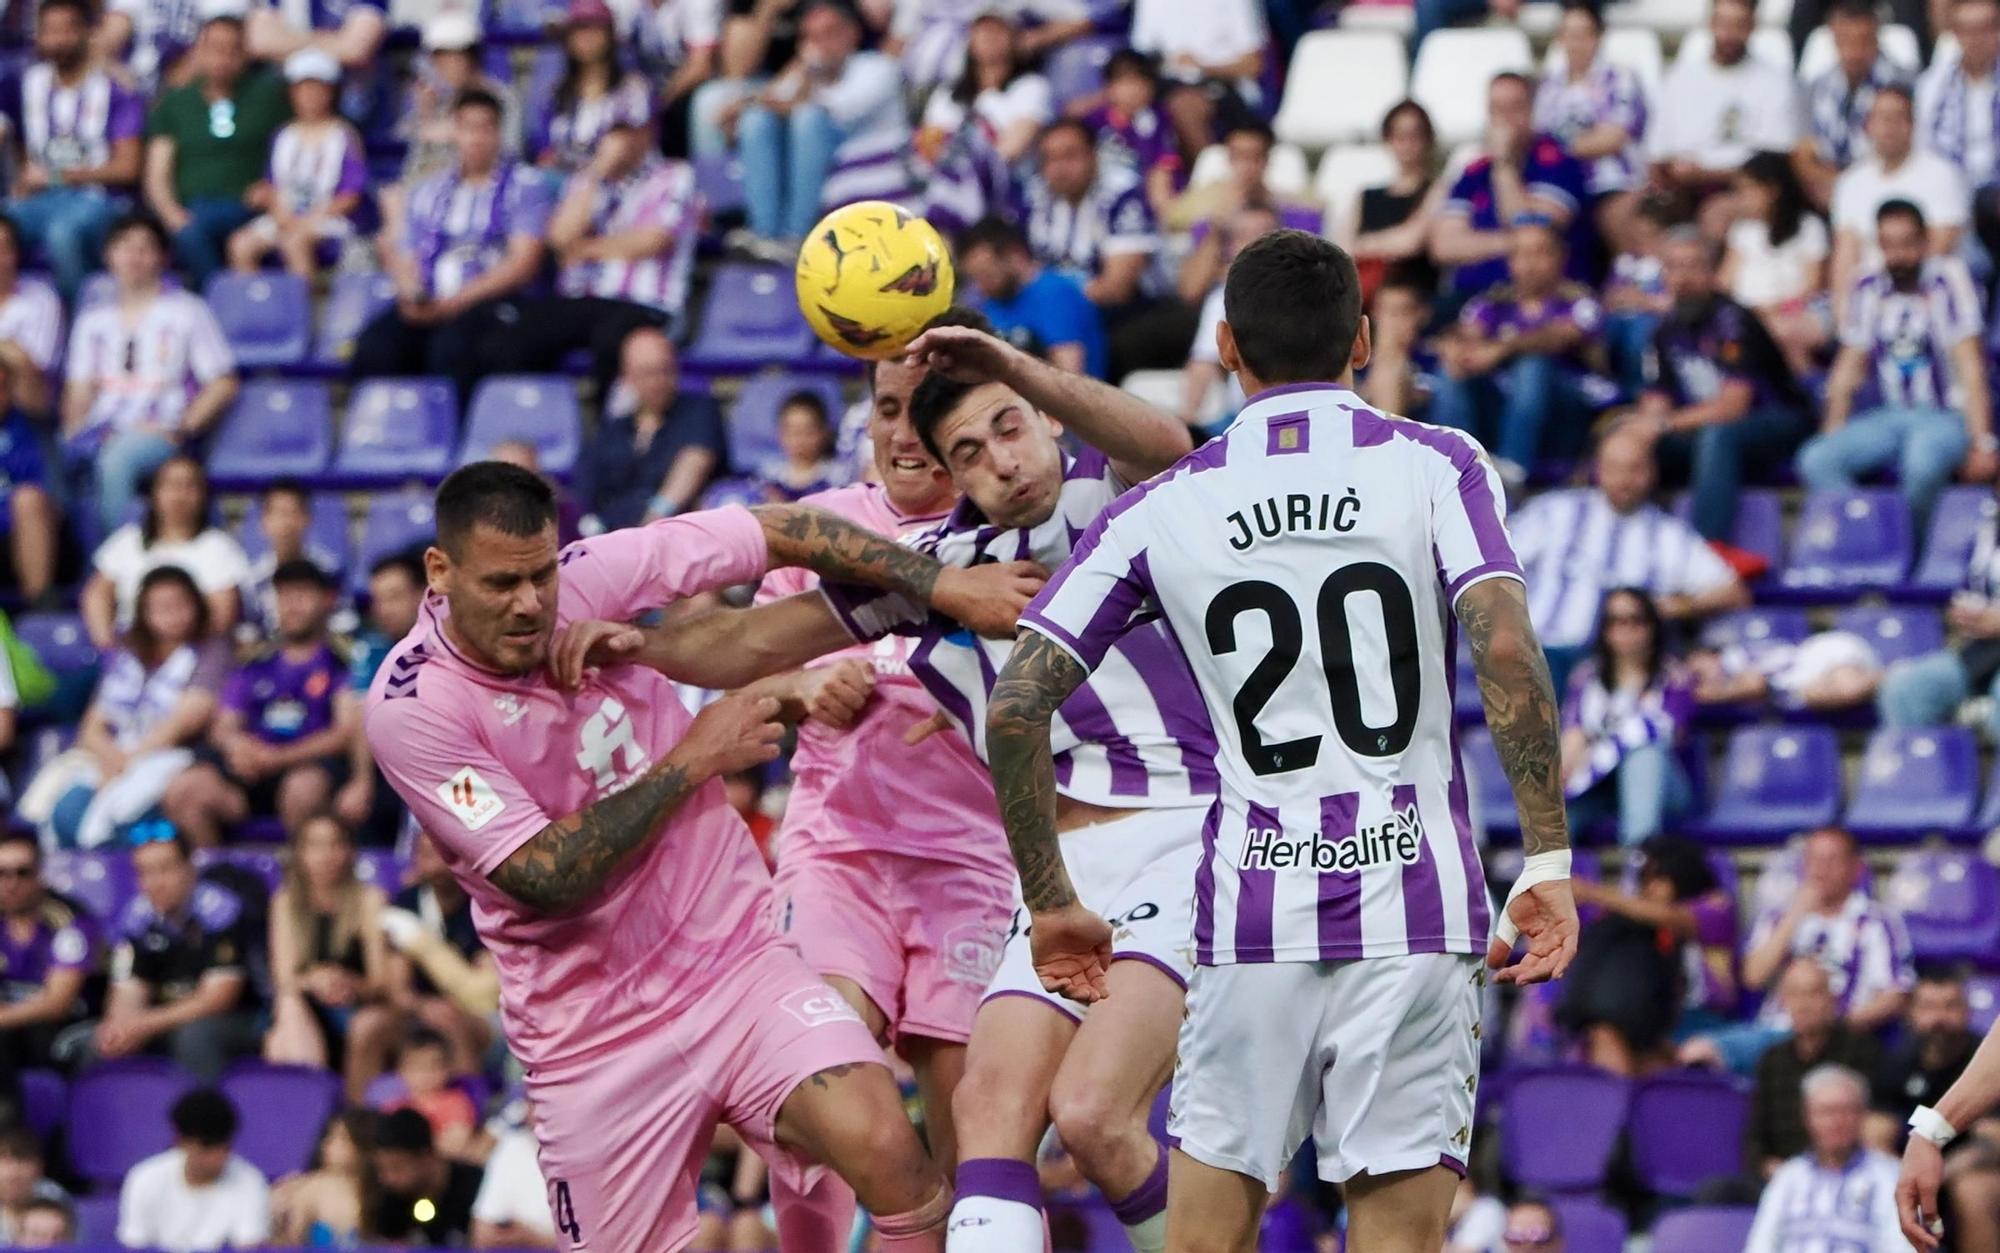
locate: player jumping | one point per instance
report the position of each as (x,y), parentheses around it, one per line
(643,984)
(1309,562)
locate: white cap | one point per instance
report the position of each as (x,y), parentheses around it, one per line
(312,65)
(223,10)
(451,31)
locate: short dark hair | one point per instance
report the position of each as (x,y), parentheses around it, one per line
(1853,8)
(139,636)
(478,98)
(301,570)
(1512,76)
(996,233)
(1253,126)
(405,1130)
(955,315)
(505,497)
(931,404)
(139,220)
(26,839)
(422,1037)
(1586,7)
(206,1117)
(812,400)
(1949,974)
(18,1144)
(287,486)
(1061,124)
(1293,303)
(409,563)
(1900,208)
(79,7)
(1131,61)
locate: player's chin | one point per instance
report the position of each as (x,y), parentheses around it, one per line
(523,653)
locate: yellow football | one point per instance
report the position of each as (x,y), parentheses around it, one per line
(870,276)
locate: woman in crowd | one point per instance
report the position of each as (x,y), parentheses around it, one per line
(329,959)
(595,92)
(1626,715)
(1598,111)
(174,531)
(156,697)
(997,91)
(1776,263)
(1393,225)
(322,1207)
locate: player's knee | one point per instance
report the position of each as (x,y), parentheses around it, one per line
(1091,1120)
(984,1100)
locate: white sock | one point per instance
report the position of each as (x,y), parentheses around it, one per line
(998,1208)
(1149,1236)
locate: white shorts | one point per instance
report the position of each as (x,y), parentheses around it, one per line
(1137,873)
(1377,1059)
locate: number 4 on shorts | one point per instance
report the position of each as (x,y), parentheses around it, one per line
(565,1212)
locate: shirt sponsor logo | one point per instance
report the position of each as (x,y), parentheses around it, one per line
(818,1005)
(470,797)
(1399,839)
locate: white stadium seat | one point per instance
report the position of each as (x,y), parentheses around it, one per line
(1344,174)
(1637,48)
(1899,44)
(1396,18)
(1453,69)
(1945,50)
(1767,43)
(1162,389)
(1290,173)
(1341,83)
(1668,17)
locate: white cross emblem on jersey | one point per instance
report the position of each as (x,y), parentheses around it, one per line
(607,743)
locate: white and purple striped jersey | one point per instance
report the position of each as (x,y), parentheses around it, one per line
(73,127)
(458,230)
(146,370)
(1811,1207)
(1135,735)
(1909,335)
(162,30)
(1306,561)
(1113,219)
(325,15)
(309,167)
(32,316)
(573,132)
(657,193)
(1864,949)
(1607,93)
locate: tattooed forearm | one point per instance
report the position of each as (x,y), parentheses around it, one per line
(569,860)
(836,549)
(1036,680)
(1521,706)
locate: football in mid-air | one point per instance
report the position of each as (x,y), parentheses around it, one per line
(870,275)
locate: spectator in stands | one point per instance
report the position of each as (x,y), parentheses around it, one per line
(1520,367)
(1836,1183)
(1517,172)
(1776,259)
(454,62)
(1956,110)
(207,144)
(675,45)
(1436,14)
(285,518)
(1476,1220)
(349,31)
(322,1206)
(424,1077)
(1828,672)
(806,463)
(1575,545)
(148,371)
(441,973)
(279,747)
(1090,221)
(175,530)
(396,587)
(1817,1036)
(828,130)
(1212,51)
(79,128)
(512,1210)
(51,949)
(1134,138)
(594,94)
(1205,207)
(998,94)
(471,249)
(29,517)
(1722,400)
(1402,374)
(1636,298)
(329,958)
(1392,227)
(150,39)
(156,696)
(1832,921)
(1597,110)
(46,1222)
(31,329)
(1839,100)
(1027,300)
(197,1196)
(417,1196)
(1718,110)
(23,1182)
(1898,170)
(180,973)
(1912,345)
(1201,285)
(1927,691)
(654,461)
(316,181)
(1625,720)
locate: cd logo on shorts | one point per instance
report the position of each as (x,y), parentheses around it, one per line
(971,954)
(817,1006)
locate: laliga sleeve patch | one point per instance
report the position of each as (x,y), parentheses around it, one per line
(471,798)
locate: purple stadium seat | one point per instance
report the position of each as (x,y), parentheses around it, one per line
(118,1115)
(1756,626)
(44,1100)
(267,318)
(1590,1225)
(352,303)
(1760,522)
(97,1220)
(394,524)
(1847,543)
(719,179)
(1687,1128)
(1955,523)
(275,430)
(1704,1228)
(1950,902)
(266,864)
(753,418)
(326,534)
(538,409)
(1486,781)
(1915,782)
(59,640)
(1777,781)
(750,320)
(1076,69)
(397,430)
(101,881)
(1982,993)
(1558,1128)
(285,1107)
(733,491)
(381,867)
(1896,634)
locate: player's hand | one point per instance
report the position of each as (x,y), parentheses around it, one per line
(965,355)
(355,799)
(1546,917)
(837,694)
(401,927)
(583,646)
(921,731)
(734,733)
(1917,1193)
(989,598)
(1071,949)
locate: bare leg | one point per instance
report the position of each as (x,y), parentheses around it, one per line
(199,802)
(1609,1051)
(1974,1198)
(35,532)
(1400,1213)
(304,791)
(823,1217)
(1211,1210)
(1000,1110)
(246,250)
(940,1065)
(851,1118)
(297,249)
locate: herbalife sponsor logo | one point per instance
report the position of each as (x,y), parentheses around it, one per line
(1398,839)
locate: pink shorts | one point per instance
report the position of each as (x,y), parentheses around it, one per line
(624,1132)
(922,938)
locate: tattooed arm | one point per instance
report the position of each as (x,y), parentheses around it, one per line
(1521,708)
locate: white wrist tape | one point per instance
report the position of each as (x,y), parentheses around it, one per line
(1930,1124)
(1539,868)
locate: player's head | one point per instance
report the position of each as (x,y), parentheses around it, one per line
(164,863)
(395,594)
(1899,229)
(495,563)
(404,1160)
(1535,255)
(1291,313)
(20,870)
(916,482)
(1533,1226)
(999,449)
(1836,1098)
(204,1127)
(475,129)
(1938,1006)
(1892,122)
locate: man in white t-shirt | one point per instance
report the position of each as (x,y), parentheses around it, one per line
(197,1196)
(512,1208)
(1204,41)
(1716,111)
(1899,170)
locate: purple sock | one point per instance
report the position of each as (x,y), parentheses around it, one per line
(1148,1199)
(1004,1179)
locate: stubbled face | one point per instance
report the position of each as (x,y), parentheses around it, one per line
(502,592)
(1687,270)
(989,271)
(61,37)
(1903,248)
(917,485)
(1003,455)
(1939,1007)
(1534,260)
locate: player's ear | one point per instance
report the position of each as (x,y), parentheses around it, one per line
(437,568)
(1364,345)
(1225,348)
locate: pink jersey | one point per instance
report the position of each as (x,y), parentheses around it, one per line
(486,761)
(863,788)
